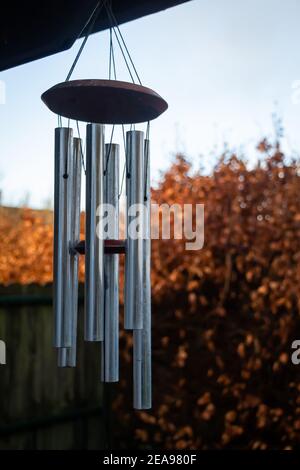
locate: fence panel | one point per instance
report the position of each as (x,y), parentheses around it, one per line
(42,406)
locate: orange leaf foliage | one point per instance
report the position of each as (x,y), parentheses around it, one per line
(228,379)
(224,317)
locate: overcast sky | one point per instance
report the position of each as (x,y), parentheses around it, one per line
(223,66)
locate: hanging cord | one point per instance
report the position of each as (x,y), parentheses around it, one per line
(91,22)
(66,175)
(125,163)
(109,149)
(81,151)
(122,180)
(146,163)
(124,56)
(113,19)
(119,43)
(110,50)
(124,138)
(128,163)
(148,130)
(112,64)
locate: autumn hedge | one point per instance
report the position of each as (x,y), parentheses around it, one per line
(224,317)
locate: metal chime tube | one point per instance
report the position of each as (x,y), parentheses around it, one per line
(134,247)
(94,252)
(142,388)
(67,356)
(110,346)
(62,236)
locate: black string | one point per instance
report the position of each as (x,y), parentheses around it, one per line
(120,45)
(128,168)
(109,149)
(110,51)
(112,16)
(66,175)
(91,22)
(113,61)
(122,180)
(81,151)
(124,138)
(148,130)
(125,163)
(112,64)
(124,57)
(146,162)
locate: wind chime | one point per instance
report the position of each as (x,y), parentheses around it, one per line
(100,102)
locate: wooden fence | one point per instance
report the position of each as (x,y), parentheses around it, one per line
(42,406)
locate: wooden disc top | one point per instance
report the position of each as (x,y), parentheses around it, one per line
(104,101)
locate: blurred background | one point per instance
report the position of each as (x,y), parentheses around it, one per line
(224,317)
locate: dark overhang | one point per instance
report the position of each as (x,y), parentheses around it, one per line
(31,30)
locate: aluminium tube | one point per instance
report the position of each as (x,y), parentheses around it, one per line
(61,254)
(133,311)
(110,346)
(67,356)
(94,244)
(142,387)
